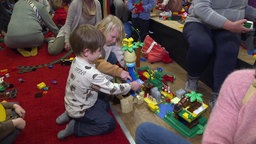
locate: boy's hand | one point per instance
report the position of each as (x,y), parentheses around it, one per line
(19,123)
(125,76)
(135,85)
(19,110)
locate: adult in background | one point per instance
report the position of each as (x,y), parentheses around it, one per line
(212,30)
(25,27)
(121,10)
(79,12)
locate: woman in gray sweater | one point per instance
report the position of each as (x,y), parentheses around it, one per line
(212,30)
(80,12)
(26,25)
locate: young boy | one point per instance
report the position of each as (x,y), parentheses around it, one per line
(140,17)
(88,115)
(11,121)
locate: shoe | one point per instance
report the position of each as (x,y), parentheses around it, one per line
(34,51)
(69,130)
(213,99)
(63,118)
(192,84)
(24,52)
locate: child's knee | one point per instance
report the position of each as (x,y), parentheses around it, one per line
(111,125)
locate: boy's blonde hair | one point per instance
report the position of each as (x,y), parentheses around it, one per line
(109,23)
(86,36)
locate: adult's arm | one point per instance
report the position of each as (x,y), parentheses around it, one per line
(48,20)
(98,11)
(222,124)
(203,10)
(72,13)
(232,21)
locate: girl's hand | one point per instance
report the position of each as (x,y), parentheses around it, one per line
(125,75)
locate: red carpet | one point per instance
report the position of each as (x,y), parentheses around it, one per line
(41,112)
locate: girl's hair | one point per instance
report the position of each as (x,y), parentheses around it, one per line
(109,23)
(86,36)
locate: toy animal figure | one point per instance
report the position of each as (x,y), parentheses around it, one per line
(156,94)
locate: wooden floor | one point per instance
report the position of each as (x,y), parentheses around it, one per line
(141,113)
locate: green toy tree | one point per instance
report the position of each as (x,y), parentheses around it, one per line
(194,96)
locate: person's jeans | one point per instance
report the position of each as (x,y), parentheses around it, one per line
(96,121)
(150,133)
(205,44)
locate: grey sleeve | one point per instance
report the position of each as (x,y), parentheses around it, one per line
(48,20)
(73,12)
(99,12)
(203,10)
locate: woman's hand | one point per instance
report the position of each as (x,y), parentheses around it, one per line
(236,26)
